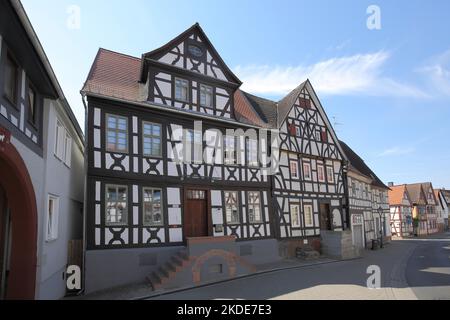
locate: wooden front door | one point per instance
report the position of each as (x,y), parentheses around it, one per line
(195,219)
(325,216)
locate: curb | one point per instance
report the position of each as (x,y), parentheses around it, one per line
(255,274)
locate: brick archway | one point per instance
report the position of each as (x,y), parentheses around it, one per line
(16,182)
(229,257)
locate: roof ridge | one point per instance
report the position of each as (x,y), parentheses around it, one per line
(119,53)
(253,95)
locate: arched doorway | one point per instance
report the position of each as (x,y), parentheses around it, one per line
(18,235)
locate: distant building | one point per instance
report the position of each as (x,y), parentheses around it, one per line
(41,166)
(368,201)
(443,200)
(401,211)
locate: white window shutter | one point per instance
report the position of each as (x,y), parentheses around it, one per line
(68,150)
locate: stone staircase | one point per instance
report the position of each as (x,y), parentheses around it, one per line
(200,263)
(165,273)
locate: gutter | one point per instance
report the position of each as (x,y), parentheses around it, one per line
(17,5)
(167,108)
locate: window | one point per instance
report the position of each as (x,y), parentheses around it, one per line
(152,207)
(293,166)
(324,136)
(252,152)
(206,96)
(354,188)
(292,129)
(151,138)
(196,195)
(31,105)
(308,215)
(307,170)
(298,132)
(11,78)
(231,207)
(52,218)
(195,50)
(193,151)
(116,205)
(295,216)
(230,154)
(181,90)
(318,135)
(63,143)
(117,134)
(330,175)
(254,207)
(320,173)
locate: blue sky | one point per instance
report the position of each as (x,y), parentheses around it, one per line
(389,89)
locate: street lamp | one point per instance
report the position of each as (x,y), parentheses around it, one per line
(380,213)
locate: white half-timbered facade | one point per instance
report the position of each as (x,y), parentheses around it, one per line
(401,211)
(367,194)
(177,153)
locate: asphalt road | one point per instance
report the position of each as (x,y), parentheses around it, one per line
(409,269)
(428,270)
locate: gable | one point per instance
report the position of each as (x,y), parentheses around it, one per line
(193,51)
(305,127)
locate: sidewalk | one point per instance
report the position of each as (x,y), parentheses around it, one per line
(143,290)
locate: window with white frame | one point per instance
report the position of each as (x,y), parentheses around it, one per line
(320,173)
(193,151)
(152,208)
(116,205)
(52,218)
(308,211)
(307,170)
(151,139)
(181,89)
(63,143)
(252,152)
(298,131)
(293,167)
(254,207)
(295,215)
(116,133)
(230,154)
(231,207)
(206,96)
(330,175)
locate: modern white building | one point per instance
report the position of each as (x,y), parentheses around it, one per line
(41,166)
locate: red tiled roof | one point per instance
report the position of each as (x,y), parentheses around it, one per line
(396,194)
(114,74)
(244,112)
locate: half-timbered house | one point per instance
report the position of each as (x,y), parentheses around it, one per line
(401,211)
(365,193)
(419,210)
(173,194)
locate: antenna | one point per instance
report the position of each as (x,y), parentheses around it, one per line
(335,123)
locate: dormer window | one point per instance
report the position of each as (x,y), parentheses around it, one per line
(195,51)
(181,89)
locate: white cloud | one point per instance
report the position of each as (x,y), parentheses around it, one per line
(438,73)
(397,151)
(359,74)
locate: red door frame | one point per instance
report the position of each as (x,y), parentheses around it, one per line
(17,184)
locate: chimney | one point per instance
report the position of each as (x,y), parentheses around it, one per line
(390,184)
